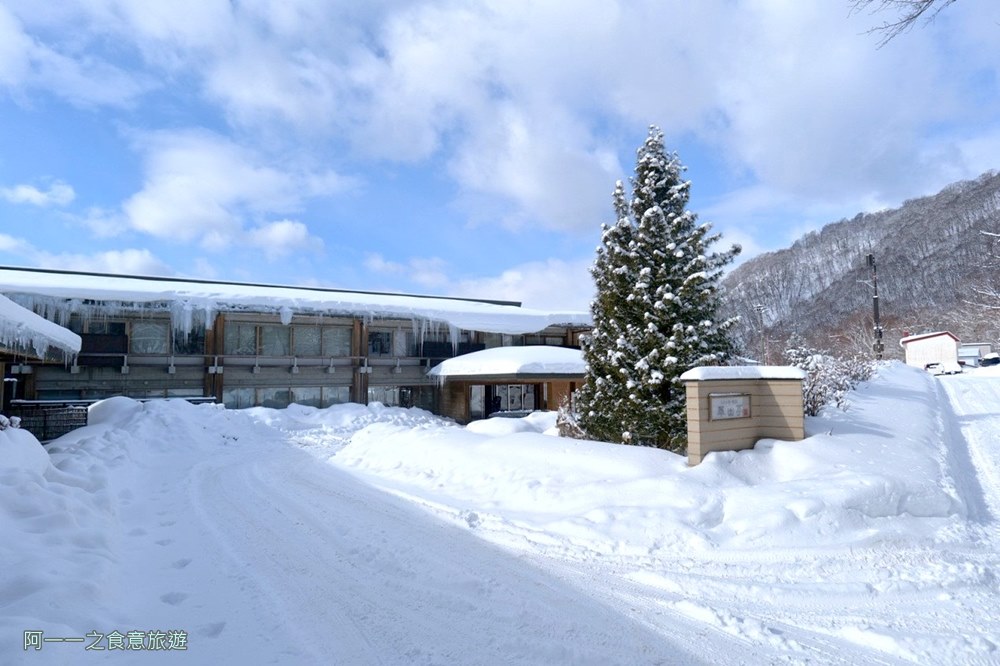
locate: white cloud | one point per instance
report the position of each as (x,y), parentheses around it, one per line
(427,272)
(282,238)
(57,194)
(553,284)
(14,245)
(525,104)
(129,261)
(126,262)
(27,63)
(202,187)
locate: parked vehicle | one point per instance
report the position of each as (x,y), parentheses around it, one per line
(989,359)
(943,368)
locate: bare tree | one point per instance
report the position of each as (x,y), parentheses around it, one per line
(907,13)
(988,291)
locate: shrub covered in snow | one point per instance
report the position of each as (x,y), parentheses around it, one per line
(566,421)
(828,378)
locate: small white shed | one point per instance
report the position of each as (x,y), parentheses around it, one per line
(939,347)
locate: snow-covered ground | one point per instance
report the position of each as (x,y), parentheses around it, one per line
(381,535)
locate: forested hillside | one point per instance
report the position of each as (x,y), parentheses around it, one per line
(934,263)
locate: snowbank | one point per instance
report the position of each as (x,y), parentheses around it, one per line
(860,476)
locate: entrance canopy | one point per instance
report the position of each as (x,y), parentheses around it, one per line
(513,365)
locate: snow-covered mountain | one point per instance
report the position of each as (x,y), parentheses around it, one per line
(933,259)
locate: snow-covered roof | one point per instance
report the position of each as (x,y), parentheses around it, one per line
(537,360)
(64,291)
(743,372)
(913,338)
(22,329)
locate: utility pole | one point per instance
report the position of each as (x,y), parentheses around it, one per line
(877,346)
(763,339)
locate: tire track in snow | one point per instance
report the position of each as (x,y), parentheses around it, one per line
(972,412)
(362,577)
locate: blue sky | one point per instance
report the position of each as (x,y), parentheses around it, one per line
(461,148)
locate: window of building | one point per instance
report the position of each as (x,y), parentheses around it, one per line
(105,327)
(380,344)
(239,398)
(387,395)
(336,395)
(275,340)
(240,339)
(276,398)
(307,341)
(149,337)
(402,343)
(310,396)
(189,343)
(336,341)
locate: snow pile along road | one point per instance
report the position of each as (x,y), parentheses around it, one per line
(859,477)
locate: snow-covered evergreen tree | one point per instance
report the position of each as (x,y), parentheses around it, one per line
(655,309)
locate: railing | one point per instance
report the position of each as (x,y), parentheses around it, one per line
(49,419)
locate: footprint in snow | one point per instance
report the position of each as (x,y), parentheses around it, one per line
(211,630)
(137,532)
(164,542)
(181,563)
(173,598)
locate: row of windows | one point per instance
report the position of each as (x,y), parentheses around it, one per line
(249,339)
(146,337)
(278,398)
(278,340)
(325,396)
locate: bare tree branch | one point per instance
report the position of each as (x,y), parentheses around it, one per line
(907,13)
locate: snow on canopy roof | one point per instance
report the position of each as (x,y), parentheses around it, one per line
(511,361)
(22,329)
(743,372)
(56,288)
(913,338)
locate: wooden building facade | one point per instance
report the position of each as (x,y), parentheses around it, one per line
(267,346)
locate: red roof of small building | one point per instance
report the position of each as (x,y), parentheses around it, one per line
(913,338)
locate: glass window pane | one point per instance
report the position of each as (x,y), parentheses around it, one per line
(402,344)
(274,340)
(307,341)
(149,337)
(336,395)
(240,339)
(192,342)
(184,393)
(380,343)
(387,395)
(309,396)
(514,398)
(336,341)
(238,398)
(276,398)
(105,327)
(477,395)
